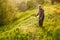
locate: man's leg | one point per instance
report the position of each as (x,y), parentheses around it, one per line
(40,23)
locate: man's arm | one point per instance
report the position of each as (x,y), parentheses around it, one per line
(37,14)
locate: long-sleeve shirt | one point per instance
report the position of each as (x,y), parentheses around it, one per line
(41,13)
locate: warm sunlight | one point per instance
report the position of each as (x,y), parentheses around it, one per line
(29,19)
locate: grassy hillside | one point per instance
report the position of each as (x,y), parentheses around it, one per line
(26,27)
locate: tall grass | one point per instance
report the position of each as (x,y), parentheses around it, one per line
(26,28)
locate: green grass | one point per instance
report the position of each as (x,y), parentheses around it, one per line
(26,27)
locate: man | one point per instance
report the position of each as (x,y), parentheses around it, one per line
(41,16)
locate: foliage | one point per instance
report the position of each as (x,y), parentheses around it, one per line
(26,28)
(7,11)
(29,6)
(40,1)
(22,6)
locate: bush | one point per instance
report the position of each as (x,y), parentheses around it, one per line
(22,6)
(31,4)
(7,11)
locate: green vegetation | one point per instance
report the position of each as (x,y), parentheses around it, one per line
(7,11)
(26,26)
(18,21)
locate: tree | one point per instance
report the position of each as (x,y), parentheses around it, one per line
(58,1)
(40,1)
(7,11)
(52,1)
(31,4)
(22,6)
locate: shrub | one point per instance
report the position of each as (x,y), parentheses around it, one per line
(7,11)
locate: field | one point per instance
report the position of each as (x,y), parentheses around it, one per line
(27,28)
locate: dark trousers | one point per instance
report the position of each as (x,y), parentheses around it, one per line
(41,22)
